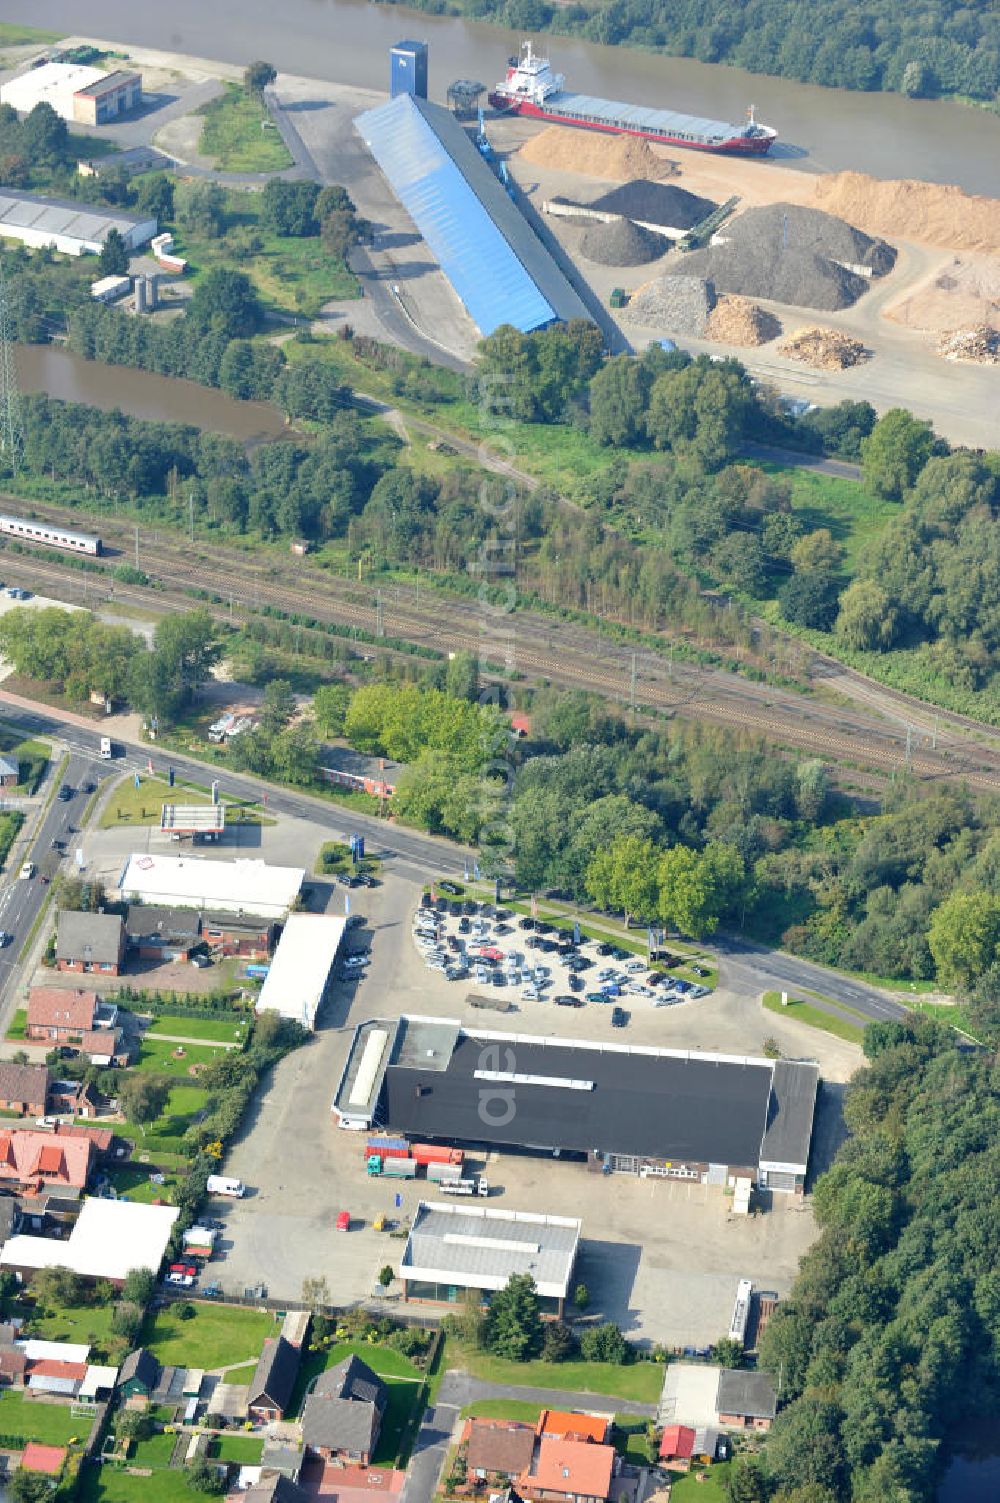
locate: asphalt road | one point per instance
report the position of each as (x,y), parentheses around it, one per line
(21,898)
(757,968)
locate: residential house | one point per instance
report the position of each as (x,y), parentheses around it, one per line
(568,1471)
(10,770)
(60,1379)
(343,1414)
(139,1374)
(155,932)
(24,1089)
(90,942)
(497,1448)
(572,1424)
(49,1460)
(745,1400)
(240,934)
(273,1487)
(60,1016)
(105,1047)
(74,1097)
(32,1160)
(677,1447)
(273,1381)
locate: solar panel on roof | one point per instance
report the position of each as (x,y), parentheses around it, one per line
(500,271)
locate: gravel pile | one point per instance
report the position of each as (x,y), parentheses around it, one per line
(678,305)
(622,243)
(656,203)
(981,345)
(792,255)
(736,320)
(824,349)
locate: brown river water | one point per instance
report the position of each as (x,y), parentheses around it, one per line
(140,394)
(348,41)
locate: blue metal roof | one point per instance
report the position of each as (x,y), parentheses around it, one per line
(500,270)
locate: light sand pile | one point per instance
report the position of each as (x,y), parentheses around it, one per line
(825,349)
(619,158)
(961,295)
(736,320)
(980,345)
(940,214)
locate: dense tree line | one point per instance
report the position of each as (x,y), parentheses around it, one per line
(891,1335)
(943,48)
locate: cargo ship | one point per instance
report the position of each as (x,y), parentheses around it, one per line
(531,88)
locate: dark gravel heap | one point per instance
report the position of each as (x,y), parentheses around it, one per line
(778,227)
(622,243)
(800,278)
(656,203)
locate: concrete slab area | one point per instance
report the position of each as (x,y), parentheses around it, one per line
(688,1398)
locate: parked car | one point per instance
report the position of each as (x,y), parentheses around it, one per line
(635,966)
(526,923)
(567,1001)
(5,937)
(425,900)
(464,926)
(603,949)
(343,1221)
(27,870)
(181,1280)
(451,888)
(576,983)
(619,1017)
(596,997)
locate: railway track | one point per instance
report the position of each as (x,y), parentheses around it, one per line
(561,653)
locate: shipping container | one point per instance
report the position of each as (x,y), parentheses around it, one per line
(399,1169)
(433,1153)
(397,1148)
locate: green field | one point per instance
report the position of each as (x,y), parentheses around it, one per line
(154,1452)
(51,1424)
(800,1011)
(91,1323)
(210,1030)
(851,513)
(159,1057)
(18,1024)
(13,34)
(33,757)
(129,805)
(240,135)
(512,1409)
(215,1336)
(641,1381)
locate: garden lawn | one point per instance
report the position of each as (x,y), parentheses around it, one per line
(702,1486)
(90,1323)
(240,135)
(381,1359)
(246,1449)
(398,1423)
(132,1182)
(803,1012)
(154,1452)
(510,1409)
(210,1029)
(630,1441)
(33,758)
(215,1336)
(184,1104)
(105,1484)
(51,1424)
(157,1056)
(641,1381)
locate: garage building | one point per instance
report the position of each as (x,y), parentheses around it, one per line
(680,1114)
(299,978)
(75,228)
(452,1248)
(500,270)
(77,93)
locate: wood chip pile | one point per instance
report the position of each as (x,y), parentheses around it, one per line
(736,320)
(825,349)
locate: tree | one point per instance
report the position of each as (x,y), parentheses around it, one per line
(462,677)
(330,704)
(810,599)
(315,1293)
(201,208)
(133,1424)
(468,1325)
(895,452)
(728,1352)
(143,1096)
(154,194)
(619,394)
(257,77)
(745,1482)
(45,137)
(867,619)
(685,895)
(55,1288)
(623,876)
(289,207)
(605,1343)
(29,1487)
(139,1286)
(581,1297)
(126,1321)
(113,259)
(817,551)
(278,705)
(513,1322)
(812,779)
(386,1274)
(964,937)
(224,301)
(203,1477)
(339,232)
(559,1343)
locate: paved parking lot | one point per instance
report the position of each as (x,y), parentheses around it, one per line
(662,1258)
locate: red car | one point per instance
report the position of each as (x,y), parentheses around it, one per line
(344,1221)
(188,1269)
(490,952)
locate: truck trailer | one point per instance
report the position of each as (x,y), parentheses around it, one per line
(464,1187)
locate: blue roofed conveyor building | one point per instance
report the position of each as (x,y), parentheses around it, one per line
(498,267)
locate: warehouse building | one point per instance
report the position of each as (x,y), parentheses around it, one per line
(496,264)
(454,1248)
(76,229)
(299,978)
(110,1238)
(240,887)
(77,93)
(678,1114)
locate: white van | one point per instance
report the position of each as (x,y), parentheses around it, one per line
(221,1184)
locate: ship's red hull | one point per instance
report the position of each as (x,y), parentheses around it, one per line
(747,146)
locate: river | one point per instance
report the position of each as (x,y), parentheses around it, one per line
(140,394)
(973,1474)
(348,41)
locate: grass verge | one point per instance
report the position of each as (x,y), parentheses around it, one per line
(215,1336)
(800,1011)
(129,805)
(640,1381)
(208,1030)
(13,34)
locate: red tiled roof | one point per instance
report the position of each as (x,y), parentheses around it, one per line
(56,1007)
(50,1367)
(678,1441)
(567,1424)
(26,1155)
(100,1040)
(47,1459)
(570,1466)
(101,1137)
(12,1360)
(499,1446)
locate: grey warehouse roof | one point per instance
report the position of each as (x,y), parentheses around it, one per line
(790,1114)
(497,265)
(701,1108)
(478,1248)
(741,1392)
(60,216)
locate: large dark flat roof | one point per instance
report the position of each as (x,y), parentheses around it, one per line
(689,1107)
